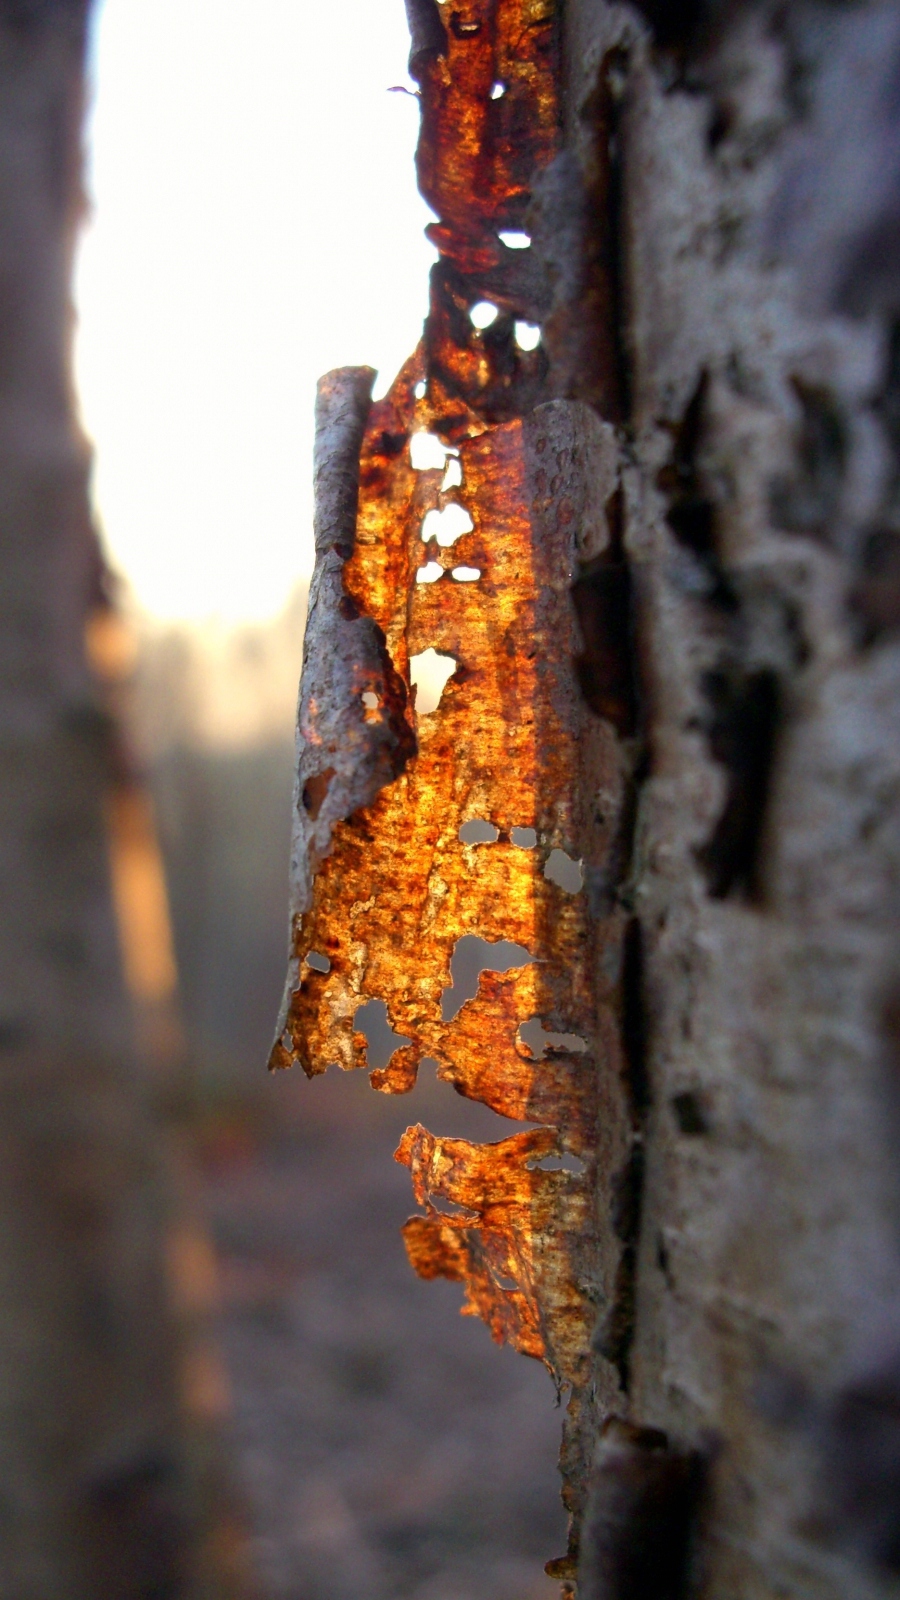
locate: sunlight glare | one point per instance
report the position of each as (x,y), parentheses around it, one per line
(255,221)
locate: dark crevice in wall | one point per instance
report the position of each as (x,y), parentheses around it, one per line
(806,502)
(575,221)
(742,695)
(691,513)
(615,1335)
(875,595)
(587,340)
(689,1113)
(745,716)
(602,597)
(609,885)
(677,24)
(634,1020)
(642,1514)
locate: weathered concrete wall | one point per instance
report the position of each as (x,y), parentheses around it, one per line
(752,209)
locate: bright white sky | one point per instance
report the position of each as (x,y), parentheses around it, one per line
(255,222)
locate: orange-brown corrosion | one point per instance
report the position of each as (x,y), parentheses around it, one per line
(388,888)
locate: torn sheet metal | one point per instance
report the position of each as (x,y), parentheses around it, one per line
(383,885)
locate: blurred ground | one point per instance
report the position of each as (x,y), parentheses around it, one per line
(384,1447)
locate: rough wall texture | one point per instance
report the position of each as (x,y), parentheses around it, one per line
(754,202)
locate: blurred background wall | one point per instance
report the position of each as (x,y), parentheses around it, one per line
(213,712)
(111,1389)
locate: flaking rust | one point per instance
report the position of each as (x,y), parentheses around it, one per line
(382,883)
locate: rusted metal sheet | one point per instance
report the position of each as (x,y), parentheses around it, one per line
(384,885)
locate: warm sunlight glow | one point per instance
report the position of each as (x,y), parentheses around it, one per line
(255,222)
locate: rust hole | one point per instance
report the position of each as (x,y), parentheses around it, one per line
(314,791)
(471,957)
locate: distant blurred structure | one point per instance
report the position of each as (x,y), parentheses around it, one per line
(214,712)
(140,896)
(217,686)
(110,1393)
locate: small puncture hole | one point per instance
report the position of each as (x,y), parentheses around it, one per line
(483,313)
(426,451)
(315,791)
(536,1040)
(498,90)
(561,869)
(473,955)
(466,574)
(317,961)
(429,573)
(477,831)
(429,672)
(527,335)
(372,1020)
(503,1280)
(370,700)
(561,1163)
(447,525)
(515,240)
(525,838)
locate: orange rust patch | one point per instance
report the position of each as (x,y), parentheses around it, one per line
(382,881)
